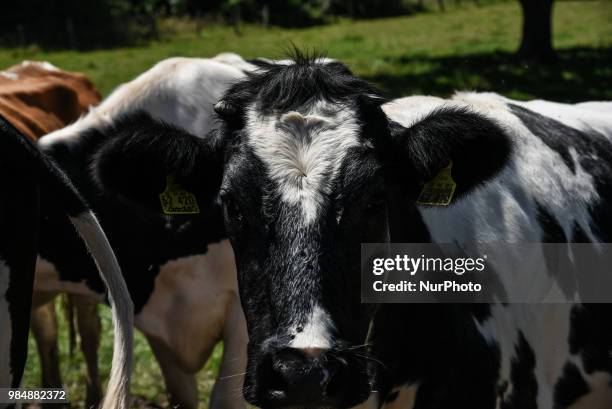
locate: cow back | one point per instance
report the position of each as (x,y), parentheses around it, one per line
(38,98)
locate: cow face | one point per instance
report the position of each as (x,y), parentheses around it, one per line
(302,188)
(307,166)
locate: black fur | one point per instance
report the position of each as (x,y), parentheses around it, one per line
(19,225)
(477,146)
(594,155)
(438,347)
(139,153)
(591,336)
(287,87)
(522,374)
(570,387)
(553,232)
(27,176)
(121,170)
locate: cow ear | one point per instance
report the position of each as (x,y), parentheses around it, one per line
(474,148)
(137,162)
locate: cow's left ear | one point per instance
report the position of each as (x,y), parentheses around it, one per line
(476,147)
(141,159)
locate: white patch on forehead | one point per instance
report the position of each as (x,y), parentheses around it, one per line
(316,333)
(303,151)
(5,327)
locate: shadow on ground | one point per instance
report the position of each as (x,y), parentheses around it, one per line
(579,74)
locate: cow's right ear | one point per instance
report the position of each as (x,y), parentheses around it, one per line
(137,159)
(471,147)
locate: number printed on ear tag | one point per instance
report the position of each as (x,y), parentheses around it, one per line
(440,190)
(176,200)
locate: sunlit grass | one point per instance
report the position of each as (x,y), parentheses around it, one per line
(147,381)
(395,47)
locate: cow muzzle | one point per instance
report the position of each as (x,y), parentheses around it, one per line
(309,378)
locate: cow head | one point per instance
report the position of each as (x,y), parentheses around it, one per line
(307,166)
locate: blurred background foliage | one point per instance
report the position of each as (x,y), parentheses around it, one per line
(78,24)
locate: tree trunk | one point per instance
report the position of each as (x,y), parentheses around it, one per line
(536,44)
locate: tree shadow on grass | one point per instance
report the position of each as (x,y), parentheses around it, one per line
(579,74)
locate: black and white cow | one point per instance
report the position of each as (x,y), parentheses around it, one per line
(179,269)
(30,181)
(310,162)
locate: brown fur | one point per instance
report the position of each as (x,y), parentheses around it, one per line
(38,100)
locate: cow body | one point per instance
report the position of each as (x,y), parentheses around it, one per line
(309,162)
(38,98)
(30,178)
(180,269)
(553,188)
(17,258)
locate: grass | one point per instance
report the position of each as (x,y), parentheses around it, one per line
(435,53)
(147,381)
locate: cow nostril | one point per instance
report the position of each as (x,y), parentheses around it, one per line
(306,376)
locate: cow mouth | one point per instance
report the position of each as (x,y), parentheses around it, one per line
(345,378)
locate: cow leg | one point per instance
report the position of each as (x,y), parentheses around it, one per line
(181,386)
(19,219)
(44,328)
(89,327)
(227,392)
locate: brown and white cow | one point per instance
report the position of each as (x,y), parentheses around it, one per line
(38,98)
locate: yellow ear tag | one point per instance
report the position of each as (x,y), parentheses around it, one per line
(440,190)
(176,200)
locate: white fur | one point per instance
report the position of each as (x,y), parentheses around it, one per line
(5,328)
(9,75)
(323,60)
(316,333)
(303,151)
(179,91)
(118,389)
(184,288)
(235,60)
(46,65)
(504,210)
(584,116)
